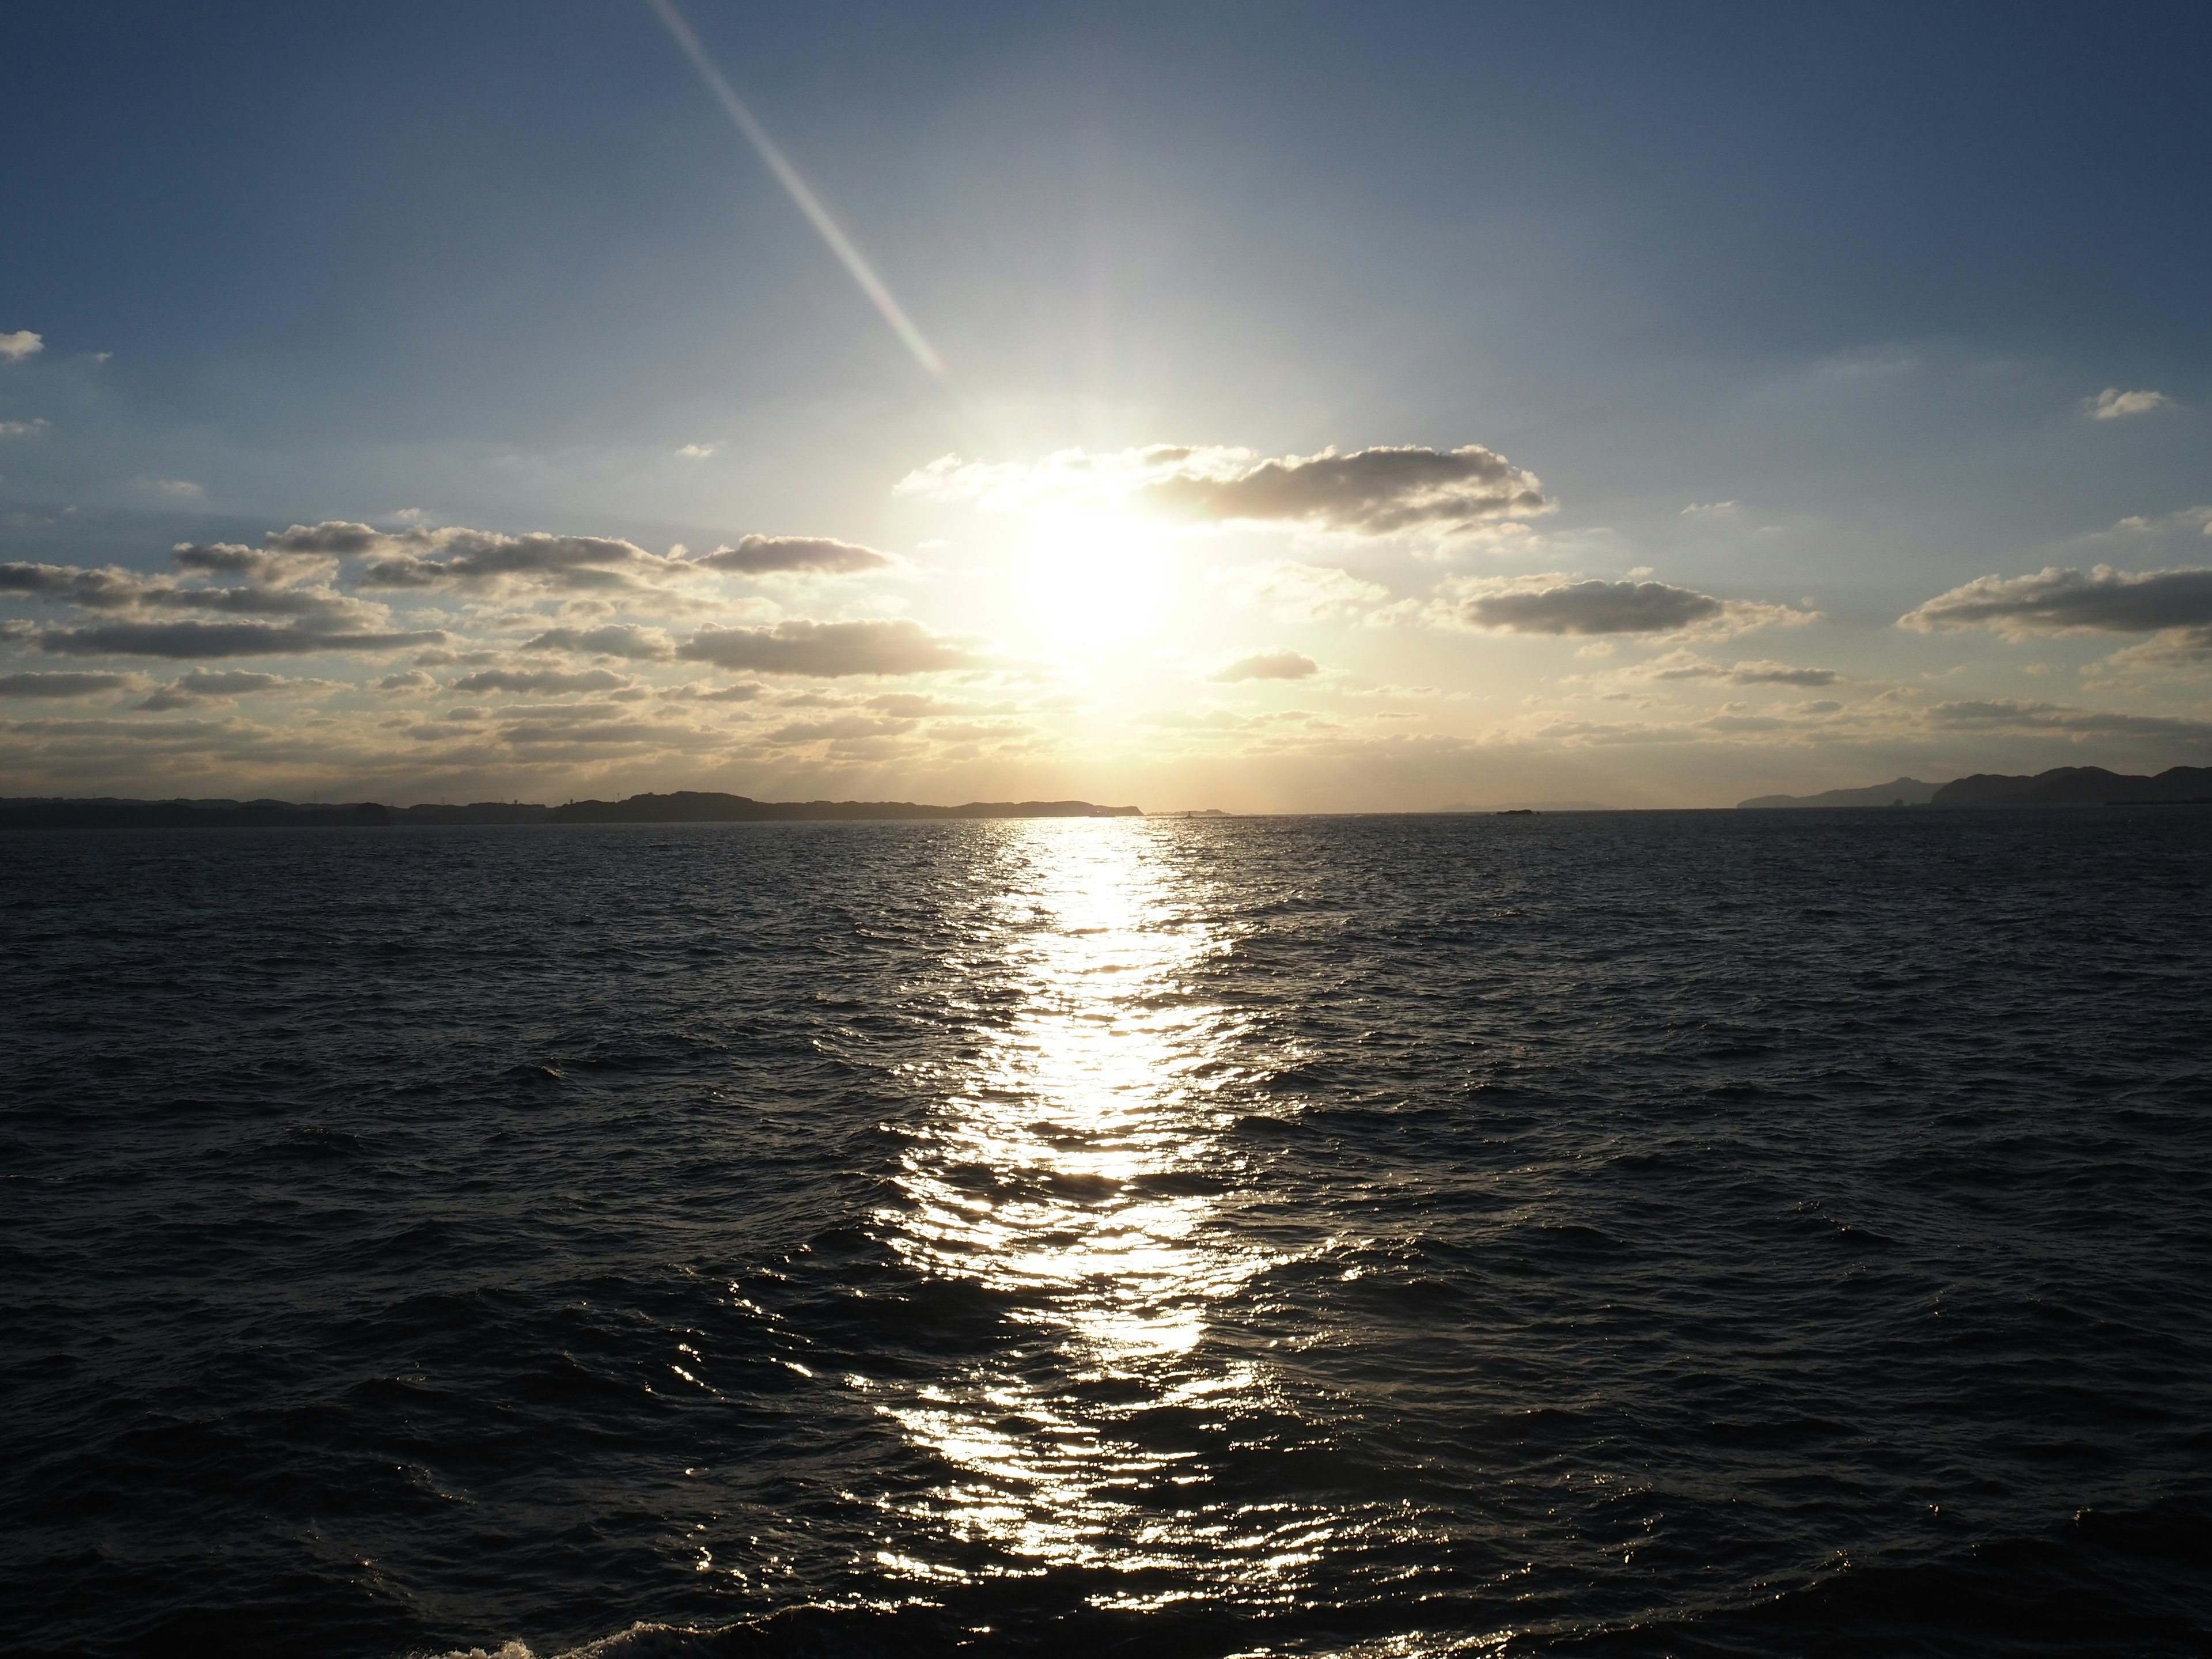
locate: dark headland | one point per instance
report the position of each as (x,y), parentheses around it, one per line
(682,806)
(2064,785)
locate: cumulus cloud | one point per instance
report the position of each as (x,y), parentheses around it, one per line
(22,343)
(59,685)
(1370,492)
(2054,601)
(1267,665)
(757,555)
(615,640)
(828,650)
(697,452)
(270,565)
(459,558)
(539,680)
(2114,404)
(1561,605)
(196,641)
(202,685)
(1373,492)
(111,589)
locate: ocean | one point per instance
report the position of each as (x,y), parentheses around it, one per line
(1695,1233)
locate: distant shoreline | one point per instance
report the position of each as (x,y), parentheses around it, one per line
(681,806)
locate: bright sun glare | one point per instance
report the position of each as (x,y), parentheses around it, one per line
(1095,580)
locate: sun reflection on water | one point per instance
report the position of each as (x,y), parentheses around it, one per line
(1074,1170)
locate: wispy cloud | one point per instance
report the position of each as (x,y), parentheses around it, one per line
(2114,404)
(1267,665)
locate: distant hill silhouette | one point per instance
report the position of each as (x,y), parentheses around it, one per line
(1908,790)
(2080,786)
(2064,785)
(684,806)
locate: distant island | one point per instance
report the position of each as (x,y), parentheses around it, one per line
(682,806)
(2064,785)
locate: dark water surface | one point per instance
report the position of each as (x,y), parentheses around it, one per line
(1692,1233)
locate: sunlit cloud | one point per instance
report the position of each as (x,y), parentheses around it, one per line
(22,343)
(1685,665)
(1266,666)
(829,650)
(2114,404)
(1292,593)
(614,640)
(755,556)
(1368,492)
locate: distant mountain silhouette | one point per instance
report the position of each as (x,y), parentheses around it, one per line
(2080,786)
(2065,786)
(684,806)
(1909,792)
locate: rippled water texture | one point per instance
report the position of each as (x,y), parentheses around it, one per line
(1700,1234)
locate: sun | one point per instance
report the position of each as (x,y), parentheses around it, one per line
(1095,580)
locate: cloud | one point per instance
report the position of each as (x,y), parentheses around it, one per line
(842,728)
(743,691)
(1373,492)
(22,343)
(1682,665)
(1558,605)
(182,489)
(1709,507)
(271,565)
(22,428)
(828,650)
(201,684)
(615,640)
(2009,713)
(1267,665)
(122,590)
(2174,605)
(697,452)
(459,558)
(2114,404)
(543,679)
(757,555)
(59,685)
(1368,492)
(191,640)
(1302,592)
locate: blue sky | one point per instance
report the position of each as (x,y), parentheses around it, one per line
(1803,313)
